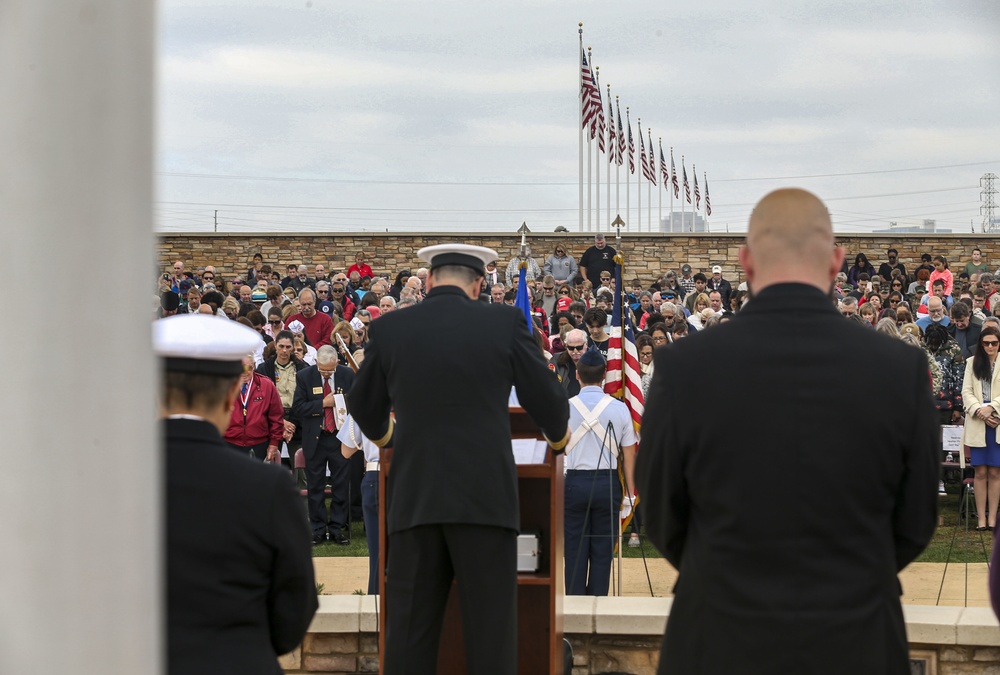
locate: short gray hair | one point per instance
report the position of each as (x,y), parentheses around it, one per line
(326,354)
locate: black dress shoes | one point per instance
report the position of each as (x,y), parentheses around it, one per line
(318,539)
(340,538)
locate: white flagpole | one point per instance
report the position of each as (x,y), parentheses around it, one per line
(659,193)
(579,80)
(649,184)
(638,179)
(707,229)
(610,155)
(597,147)
(618,167)
(683,193)
(628,152)
(671,188)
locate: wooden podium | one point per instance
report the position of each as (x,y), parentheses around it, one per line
(539,594)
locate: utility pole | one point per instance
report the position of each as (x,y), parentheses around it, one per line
(988,194)
(216,228)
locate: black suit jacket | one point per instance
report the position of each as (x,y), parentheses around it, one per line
(240,585)
(446,367)
(308,404)
(786,520)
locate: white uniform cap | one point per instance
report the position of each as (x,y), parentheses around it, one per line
(295,327)
(468,255)
(200,343)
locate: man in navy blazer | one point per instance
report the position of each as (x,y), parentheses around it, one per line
(318,406)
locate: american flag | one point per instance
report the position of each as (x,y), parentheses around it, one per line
(687,186)
(673,174)
(642,157)
(664,171)
(631,147)
(590,97)
(624,378)
(708,200)
(697,194)
(652,159)
(600,125)
(621,136)
(612,141)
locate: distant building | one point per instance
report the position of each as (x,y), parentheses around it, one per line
(682,222)
(928,227)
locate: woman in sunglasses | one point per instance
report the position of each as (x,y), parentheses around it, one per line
(981,398)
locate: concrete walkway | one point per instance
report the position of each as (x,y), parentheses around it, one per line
(964,586)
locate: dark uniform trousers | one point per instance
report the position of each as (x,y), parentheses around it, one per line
(369,504)
(483,560)
(327,454)
(590,515)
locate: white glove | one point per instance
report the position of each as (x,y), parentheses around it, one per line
(628,503)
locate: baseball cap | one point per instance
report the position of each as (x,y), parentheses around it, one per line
(716,269)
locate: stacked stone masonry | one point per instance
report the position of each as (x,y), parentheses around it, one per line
(647,255)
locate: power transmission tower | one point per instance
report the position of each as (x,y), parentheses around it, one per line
(989,206)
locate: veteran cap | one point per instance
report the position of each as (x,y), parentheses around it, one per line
(203,344)
(467,255)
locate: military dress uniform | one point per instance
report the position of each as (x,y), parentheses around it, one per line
(600,425)
(452,488)
(240,586)
(351,436)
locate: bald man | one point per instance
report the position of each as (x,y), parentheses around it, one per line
(787,527)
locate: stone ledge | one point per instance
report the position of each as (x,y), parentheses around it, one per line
(925,624)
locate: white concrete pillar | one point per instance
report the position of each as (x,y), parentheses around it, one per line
(79,461)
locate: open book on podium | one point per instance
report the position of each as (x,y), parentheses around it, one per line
(540,593)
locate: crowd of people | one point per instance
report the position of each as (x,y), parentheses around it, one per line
(946,313)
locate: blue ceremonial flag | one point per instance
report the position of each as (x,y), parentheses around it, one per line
(521,301)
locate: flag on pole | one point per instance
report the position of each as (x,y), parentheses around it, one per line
(612,138)
(624,378)
(631,149)
(664,171)
(673,174)
(620,158)
(652,159)
(708,200)
(521,300)
(599,127)
(642,157)
(697,194)
(687,186)
(588,90)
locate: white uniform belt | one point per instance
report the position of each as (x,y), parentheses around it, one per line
(371,466)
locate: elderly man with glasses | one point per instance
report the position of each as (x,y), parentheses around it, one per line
(564,363)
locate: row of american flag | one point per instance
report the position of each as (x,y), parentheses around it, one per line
(616,141)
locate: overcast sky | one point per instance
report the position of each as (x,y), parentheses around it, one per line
(413,115)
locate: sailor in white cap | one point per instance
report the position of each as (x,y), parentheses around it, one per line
(240,585)
(452,488)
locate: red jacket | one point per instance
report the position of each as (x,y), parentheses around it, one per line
(265,418)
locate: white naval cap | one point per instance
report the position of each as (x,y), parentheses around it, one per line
(476,257)
(200,343)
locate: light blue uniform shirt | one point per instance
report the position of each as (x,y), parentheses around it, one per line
(591,453)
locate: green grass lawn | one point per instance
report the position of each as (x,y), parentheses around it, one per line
(970,542)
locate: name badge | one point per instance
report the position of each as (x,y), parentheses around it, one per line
(317,390)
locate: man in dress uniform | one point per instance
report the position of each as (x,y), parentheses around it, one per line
(240,586)
(602,431)
(319,407)
(788,533)
(453,500)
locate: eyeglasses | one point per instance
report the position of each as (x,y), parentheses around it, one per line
(563,292)
(275,322)
(605,278)
(559,250)
(660,339)
(574,348)
(991,343)
(894,302)
(549,288)
(646,352)
(210,277)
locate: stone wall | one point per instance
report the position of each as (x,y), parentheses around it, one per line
(647,254)
(623,634)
